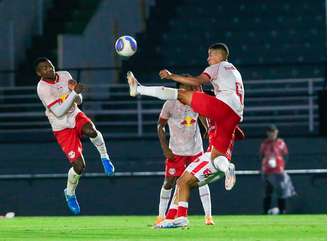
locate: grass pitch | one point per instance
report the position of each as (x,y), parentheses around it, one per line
(119,228)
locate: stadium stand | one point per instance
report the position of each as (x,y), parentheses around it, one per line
(279,47)
(63,17)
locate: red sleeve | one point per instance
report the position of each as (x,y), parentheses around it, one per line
(285,148)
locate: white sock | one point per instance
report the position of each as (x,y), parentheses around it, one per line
(174,205)
(164,199)
(160,92)
(221,163)
(205,197)
(72,181)
(99,143)
(183,204)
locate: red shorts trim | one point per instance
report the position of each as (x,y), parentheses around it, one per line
(198,167)
(224,118)
(69,139)
(175,167)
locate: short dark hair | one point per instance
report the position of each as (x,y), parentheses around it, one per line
(209,92)
(220,46)
(272,127)
(40,60)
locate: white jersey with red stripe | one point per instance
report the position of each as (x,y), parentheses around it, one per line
(51,93)
(185,138)
(228,85)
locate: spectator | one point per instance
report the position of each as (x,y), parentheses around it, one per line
(274,154)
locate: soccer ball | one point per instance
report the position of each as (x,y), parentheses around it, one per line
(126,46)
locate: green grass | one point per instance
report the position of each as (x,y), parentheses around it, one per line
(227,228)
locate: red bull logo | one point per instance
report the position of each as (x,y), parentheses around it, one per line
(63,97)
(188,121)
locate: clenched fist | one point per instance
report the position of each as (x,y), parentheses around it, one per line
(71,84)
(165,74)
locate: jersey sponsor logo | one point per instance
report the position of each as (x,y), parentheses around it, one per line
(172,171)
(71,154)
(188,121)
(63,97)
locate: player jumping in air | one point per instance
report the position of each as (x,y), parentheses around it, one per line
(185,146)
(225,110)
(60,95)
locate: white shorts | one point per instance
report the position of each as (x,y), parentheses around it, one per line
(203,169)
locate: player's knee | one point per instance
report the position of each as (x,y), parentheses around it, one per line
(79,166)
(90,131)
(182,181)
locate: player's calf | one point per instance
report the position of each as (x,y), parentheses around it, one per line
(99,143)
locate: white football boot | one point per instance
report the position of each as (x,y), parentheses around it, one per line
(166,223)
(230,177)
(181,222)
(133,83)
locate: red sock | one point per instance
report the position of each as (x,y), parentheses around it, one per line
(183,209)
(171,213)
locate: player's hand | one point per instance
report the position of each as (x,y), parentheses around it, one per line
(169,154)
(165,74)
(71,84)
(79,88)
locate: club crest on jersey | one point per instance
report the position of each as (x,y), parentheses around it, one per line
(172,171)
(71,154)
(188,121)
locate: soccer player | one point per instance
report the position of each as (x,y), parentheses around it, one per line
(185,146)
(225,110)
(60,95)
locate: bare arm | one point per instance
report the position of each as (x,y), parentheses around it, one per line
(205,125)
(189,80)
(162,138)
(204,122)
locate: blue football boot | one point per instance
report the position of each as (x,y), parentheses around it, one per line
(72,203)
(108,166)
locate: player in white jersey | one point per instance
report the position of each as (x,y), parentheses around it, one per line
(225,109)
(61,95)
(185,146)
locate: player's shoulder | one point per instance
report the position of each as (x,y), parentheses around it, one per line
(227,65)
(63,73)
(169,103)
(42,85)
(280,140)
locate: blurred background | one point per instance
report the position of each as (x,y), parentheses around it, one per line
(278,46)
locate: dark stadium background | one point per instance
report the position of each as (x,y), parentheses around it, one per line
(278,46)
